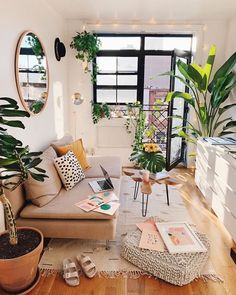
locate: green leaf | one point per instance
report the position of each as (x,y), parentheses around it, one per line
(226,133)
(38,177)
(34,163)
(186,96)
(223,70)
(221,122)
(225,108)
(13,113)
(17,124)
(229,125)
(7,162)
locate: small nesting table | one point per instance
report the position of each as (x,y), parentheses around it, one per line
(146,188)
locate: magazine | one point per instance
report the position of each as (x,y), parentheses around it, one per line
(96,200)
(108,208)
(151,239)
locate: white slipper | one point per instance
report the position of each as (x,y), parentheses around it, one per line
(87,266)
(70,272)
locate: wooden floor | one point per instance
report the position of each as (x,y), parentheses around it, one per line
(206,222)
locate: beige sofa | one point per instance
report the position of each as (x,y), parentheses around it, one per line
(60,218)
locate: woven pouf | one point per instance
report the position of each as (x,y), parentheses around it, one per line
(178,269)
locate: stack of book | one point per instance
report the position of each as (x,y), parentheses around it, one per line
(106,203)
(174,237)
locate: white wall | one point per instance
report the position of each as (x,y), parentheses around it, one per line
(206,33)
(16,17)
(230,49)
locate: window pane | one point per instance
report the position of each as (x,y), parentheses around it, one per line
(106,64)
(106,79)
(125,96)
(156,86)
(168,43)
(119,43)
(127,79)
(127,64)
(106,95)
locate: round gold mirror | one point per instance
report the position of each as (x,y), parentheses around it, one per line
(31,71)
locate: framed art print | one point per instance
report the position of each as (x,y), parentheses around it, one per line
(179,237)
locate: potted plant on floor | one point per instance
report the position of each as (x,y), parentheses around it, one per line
(87,46)
(20,248)
(207,97)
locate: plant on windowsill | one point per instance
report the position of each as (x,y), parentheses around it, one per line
(150,158)
(99,111)
(20,248)
(87,46)
(206,97)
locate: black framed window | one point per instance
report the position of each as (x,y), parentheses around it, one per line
(123,64)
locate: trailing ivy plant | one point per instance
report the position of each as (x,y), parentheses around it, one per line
(207,97)
(100,111)
(87,46)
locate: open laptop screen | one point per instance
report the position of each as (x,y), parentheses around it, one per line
(106,176)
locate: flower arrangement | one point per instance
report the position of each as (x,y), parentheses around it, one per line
(151,147)
(150,157)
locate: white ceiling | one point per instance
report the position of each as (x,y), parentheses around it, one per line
(145,10)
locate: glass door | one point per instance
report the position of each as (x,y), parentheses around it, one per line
(177,107)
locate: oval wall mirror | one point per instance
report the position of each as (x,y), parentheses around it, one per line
(31,72)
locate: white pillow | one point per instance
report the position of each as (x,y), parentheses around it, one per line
(69,169)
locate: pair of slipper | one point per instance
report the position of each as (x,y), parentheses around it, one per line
(72,272)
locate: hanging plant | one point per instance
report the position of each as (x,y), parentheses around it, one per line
(87,46)
(100,111)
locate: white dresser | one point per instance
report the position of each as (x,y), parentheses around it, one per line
(216,178)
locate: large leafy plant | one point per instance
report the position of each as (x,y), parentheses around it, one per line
(87,46)
(149,157)
(207,97)
(16,161)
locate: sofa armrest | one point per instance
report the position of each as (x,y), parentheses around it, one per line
(111,163)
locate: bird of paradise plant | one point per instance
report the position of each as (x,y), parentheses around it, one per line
(207,97)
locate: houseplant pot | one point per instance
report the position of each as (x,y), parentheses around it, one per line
(18,273)
(19,249)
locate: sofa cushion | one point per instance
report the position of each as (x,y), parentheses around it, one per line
(77,148)
(111,163)
(40,193)
(69,170)
(66,139)
(63,206)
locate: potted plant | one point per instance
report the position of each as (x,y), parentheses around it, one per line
(100,111)
(20,248)
(87,46)
(207,97)
(150,158)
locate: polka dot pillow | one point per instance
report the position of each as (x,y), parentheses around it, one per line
(69,169)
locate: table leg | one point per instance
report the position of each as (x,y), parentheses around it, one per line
(136,188)
(167,195)
(144,206)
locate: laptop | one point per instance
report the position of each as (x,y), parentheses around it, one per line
(103,185)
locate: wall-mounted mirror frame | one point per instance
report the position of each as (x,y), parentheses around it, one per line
(32,73)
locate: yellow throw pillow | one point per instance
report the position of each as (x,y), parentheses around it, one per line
(78,149)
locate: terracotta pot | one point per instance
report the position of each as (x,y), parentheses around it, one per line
(18,273)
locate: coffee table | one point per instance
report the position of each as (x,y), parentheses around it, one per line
(146,187)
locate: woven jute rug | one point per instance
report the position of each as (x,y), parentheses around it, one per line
(109,263)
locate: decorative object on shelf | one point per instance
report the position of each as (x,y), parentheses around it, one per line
(206,97)
(77,98)
(20,248)
(87,46)
(150,157)
(100,111)
(31,73)
(59,49)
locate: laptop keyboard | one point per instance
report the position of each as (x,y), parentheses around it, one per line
(103,184)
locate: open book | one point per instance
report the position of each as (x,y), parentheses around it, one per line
(96,200)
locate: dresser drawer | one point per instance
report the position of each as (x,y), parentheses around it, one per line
(225,216)
(204,187)
(226,171)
